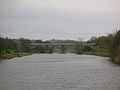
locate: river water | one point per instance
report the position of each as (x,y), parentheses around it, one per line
(59,72)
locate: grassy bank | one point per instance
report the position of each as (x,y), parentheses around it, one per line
(104,54)
(8,54)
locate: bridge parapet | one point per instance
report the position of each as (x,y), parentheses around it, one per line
(56,44)
(60,44)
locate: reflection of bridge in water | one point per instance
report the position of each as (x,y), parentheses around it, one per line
(61,46)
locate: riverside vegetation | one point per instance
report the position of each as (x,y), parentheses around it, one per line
(108,46)
(10,48)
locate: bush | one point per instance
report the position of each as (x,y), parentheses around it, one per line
(105,54)
(8,51)
(115,45)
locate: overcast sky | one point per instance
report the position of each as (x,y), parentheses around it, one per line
(58,19)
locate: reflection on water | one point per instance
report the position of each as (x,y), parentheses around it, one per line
(59,72)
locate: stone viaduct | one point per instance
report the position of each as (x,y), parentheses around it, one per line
(61,46)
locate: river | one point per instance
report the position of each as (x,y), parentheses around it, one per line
(59,72)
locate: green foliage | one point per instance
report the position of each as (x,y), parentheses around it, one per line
(11,46)
(111,43)
(105,54)
(115,44)
(8,51)
(102,42)
(6,44)
(56,50)
(24,45)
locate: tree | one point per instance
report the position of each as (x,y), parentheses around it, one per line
(25,45)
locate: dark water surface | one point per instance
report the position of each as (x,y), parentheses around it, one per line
(59,72)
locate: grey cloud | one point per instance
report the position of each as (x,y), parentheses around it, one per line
(23,16)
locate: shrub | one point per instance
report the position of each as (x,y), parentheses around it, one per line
(115,45)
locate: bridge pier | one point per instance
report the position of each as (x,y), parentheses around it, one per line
(48,49)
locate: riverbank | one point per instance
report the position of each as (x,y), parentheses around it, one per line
(9,56)
(103,54)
